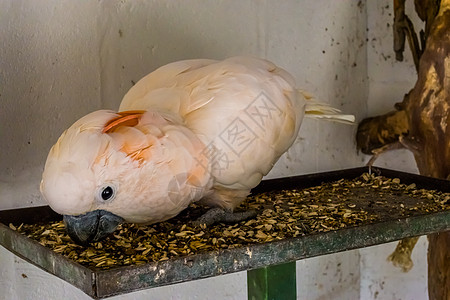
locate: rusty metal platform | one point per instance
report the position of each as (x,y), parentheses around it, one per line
(119,280)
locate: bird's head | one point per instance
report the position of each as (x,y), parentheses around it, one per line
(108,168)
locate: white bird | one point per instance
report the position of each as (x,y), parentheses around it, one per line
(194,130)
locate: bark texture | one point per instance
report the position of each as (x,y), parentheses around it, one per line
(421,122)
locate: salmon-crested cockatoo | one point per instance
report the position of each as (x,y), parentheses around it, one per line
(194,130)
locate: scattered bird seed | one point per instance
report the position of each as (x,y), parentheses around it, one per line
(282,214)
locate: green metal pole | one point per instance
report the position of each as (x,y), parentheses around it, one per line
(272,283)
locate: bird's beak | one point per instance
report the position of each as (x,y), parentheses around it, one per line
(92,226)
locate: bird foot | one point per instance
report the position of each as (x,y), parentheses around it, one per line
(215,215)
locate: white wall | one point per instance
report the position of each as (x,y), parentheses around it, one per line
(62,59)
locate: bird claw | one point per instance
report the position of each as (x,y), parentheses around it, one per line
(216,215)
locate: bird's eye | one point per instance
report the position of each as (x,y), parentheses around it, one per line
(107,193)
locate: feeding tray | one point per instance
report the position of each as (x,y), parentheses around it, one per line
(396,218)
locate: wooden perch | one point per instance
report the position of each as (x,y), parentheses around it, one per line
(403,27)
(427,10)
(377,132)
(401,257)
(428,104)
(421,122)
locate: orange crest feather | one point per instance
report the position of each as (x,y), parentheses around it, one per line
(126,118)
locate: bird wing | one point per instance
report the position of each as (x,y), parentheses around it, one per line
(245,110)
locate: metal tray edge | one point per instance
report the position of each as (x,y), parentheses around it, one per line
(44,258)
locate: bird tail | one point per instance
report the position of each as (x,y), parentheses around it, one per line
(319,110)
